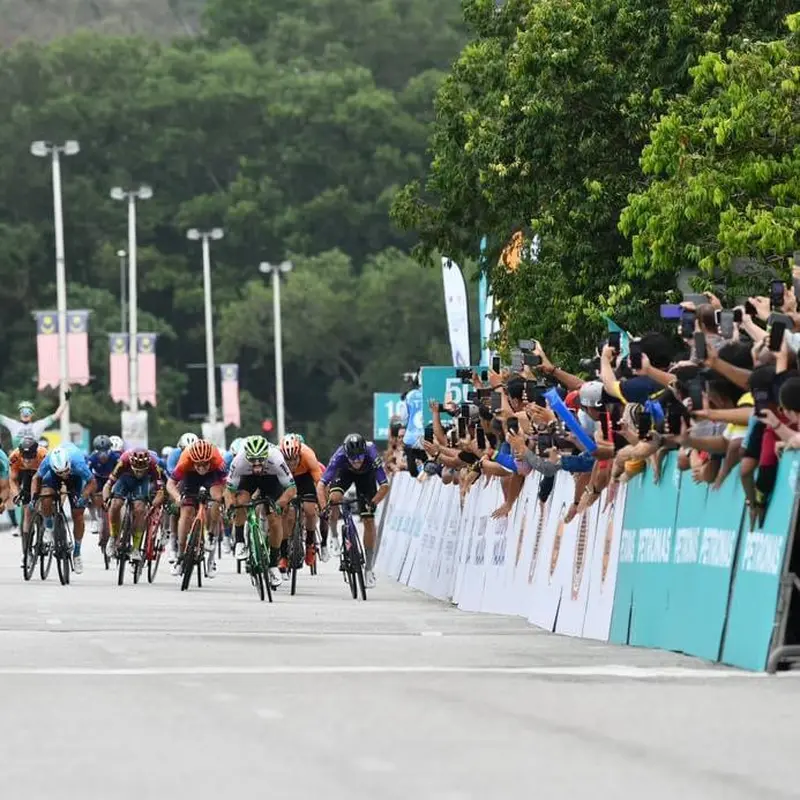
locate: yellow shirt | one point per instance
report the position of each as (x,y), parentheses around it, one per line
(738,431)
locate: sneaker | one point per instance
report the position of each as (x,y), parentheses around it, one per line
(241,551)
(211,568)
(136,555)
(226,545)
(175,569)
(94,526)
(283,566)
(47,538)
(77,565)
(15,531)
(172,553)
(324,555)
(211,544)
(111,547)
(369,579)
(311,555)
(336,548)
(274,577)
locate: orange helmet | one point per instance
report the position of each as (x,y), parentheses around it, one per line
(201,451)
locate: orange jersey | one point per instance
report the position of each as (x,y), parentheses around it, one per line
(308,464)
(185,465)
(16,464)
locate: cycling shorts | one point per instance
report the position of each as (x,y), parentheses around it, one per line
(74,484)
(365,484)
(265,485)
(191,485)
(129,486)
(306,488)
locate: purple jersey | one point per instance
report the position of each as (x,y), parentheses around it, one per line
(372,463)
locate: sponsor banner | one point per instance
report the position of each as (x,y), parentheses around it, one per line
(146,344)
(78,347)
(229,374)
(47,349)
(455,303)
(385,405)
(118,367)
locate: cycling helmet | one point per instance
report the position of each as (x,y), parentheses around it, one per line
(165,451)
(187,440)
(140,460)
(256,448)
(201,451)
(117,445)
(28,447)
(26,408)
(60,461)
(290,446)
(102,443)
(236,446)
(355,446)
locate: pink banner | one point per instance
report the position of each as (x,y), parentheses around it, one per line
(147,368)
(230,394)
(47,348)
(78,347)
(118,368)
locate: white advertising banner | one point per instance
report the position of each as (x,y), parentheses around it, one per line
(455,303)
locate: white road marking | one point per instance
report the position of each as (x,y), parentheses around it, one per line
(431,633)
(599,671)
(53,621)
(269,713)
(374,765)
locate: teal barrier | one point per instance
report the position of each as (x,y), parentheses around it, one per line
(692,577)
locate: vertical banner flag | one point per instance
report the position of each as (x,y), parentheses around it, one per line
(47,348)
(455,300)
(488,326)
(230,394)
(147,367)
(78,347)
(118,376)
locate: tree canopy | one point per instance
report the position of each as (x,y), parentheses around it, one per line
(294,148)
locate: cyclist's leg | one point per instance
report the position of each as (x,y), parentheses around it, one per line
(49,489)
(367,487)
(78,519)
(239,518)
(141,495)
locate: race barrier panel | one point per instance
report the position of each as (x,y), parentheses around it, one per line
(670,565)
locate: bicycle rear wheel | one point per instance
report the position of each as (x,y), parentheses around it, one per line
(190,556)
(30,551)
(296,551)
(46,556)
(62,556)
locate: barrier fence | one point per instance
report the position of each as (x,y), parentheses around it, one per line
(672,565)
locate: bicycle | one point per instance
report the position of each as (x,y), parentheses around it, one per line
(351,556)
(195,542)
(62,540)
(296,549)
(257,562)
(154,541)
(31,539)
(125,542)
(102,539)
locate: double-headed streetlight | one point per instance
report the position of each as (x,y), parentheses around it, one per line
(43,149)
(195,235)
(276,270)
(132,195)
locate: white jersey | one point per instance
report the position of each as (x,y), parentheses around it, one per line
(19,430)
(273,464)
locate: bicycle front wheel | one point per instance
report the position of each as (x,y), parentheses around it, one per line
(190,556)
(62,556)
(29,550)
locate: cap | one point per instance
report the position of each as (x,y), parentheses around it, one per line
(592,394)
(572,400)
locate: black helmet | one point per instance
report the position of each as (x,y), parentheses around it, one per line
(28,447)
(102,443)
(355,446)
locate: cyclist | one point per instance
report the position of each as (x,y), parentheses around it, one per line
(260,466)
(356,462)
(200,466)
(4,474)
(26,426)
(64,467)
(102,461)
(306,470)
(23,463)
(186,440)
(138,477)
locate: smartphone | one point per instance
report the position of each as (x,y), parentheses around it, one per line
(496,364)
(636,355)
(796,285)
(614,340)
(750,309)
(462,428)
(484,393)
(777,290)
(512,423)
(429,435)
(785,319)
(464,374)
(776,335)
(697,299)
(464,411)
(472,397)
(700,351)
(527,345)
(645,423)
(480,437)
(484,375)
(531,360)
(696,390)
(670,311)
(726,320)
(687,324)
(497,402)
(738,315)
(761,401)
(516,360)
(544,443)
(442,409)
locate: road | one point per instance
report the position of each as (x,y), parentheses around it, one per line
(142,691)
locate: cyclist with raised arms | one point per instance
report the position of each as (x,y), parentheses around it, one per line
(307,471)
(138,477)
(200,466)
(356,462)
(26,425)
(260,467)
(64,467)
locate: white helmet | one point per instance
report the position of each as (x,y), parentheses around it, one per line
(290,446)
(117,444)
(236,446)
(165,450)
(60,461)
(187,440)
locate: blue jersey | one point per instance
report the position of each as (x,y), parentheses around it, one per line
(79,469)
(413,419)
(372,463)
(102,469)
(227,457)
(172,461)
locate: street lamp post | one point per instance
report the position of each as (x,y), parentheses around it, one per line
(132,195)
(195,235)
(55,151)
(122,289)
(276,270)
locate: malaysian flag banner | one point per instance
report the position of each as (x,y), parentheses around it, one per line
(78,346)
(118,369)
(230,394)
(147,367)
(47,348)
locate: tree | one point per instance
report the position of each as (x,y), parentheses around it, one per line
(725,165)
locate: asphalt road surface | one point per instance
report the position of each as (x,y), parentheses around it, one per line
(144,691)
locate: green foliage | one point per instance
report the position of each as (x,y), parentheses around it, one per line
(540,127)
(295,151)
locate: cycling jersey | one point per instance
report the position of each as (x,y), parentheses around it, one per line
(185,466)
(17,464)
(123,467)
(172,460)
(4,467)
(412,417)
(19,430)
(274,464)
(80,474)
(102,469)
(373,463)
(308,464)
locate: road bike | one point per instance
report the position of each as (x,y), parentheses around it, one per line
(62,540)
(351,556)
(155,540)
(296,551)
(194,557)
(125,544)
(257,562)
